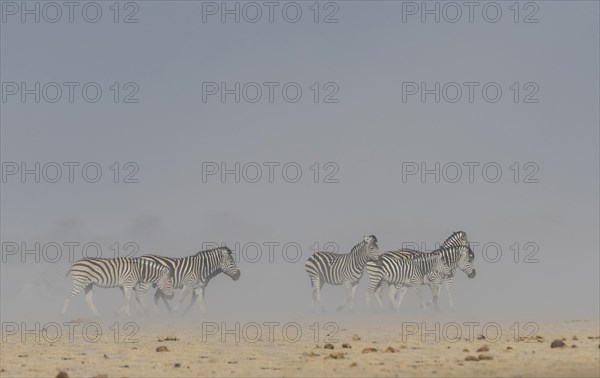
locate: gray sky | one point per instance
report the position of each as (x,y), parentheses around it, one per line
(369,135)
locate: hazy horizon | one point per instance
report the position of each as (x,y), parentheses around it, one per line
(357,148)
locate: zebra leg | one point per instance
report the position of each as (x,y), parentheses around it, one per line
(127,293)
(353,293)
(88,299)
(184,294)
(378,293)
(420,294)
(194,298)
(76,289)
(392,295)
(200,294)
(139,295)
(348,286)
(448,287)
(160,295)
(316,284)
(435,291)
(403,290)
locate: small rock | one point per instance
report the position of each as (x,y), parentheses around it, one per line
(574,338)
(466,350)
(62,374)
(310,354)
(471,358)
(403,347)
(105,356)
(509,348)
(391,350)
(485,357)
(480,337)
(356,338)
(484,348)
(354,364)
(162,348)
(335,356)
(177,364)
(573,346)
(24,355)
(346,346)
(369,350)
(557,344)
(328,346)
(126,366)
(168,338)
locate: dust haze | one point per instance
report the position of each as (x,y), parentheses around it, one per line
(536,243)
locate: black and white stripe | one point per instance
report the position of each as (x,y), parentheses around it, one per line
(341,269)
(379,275)
(192,273)
(122,272)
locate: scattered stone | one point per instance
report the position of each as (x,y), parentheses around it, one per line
(168,338)
(369,350)
(328,346)
(177,364)
(354,364)
(564,339)
(346,346)
(485,357)
(391,350)
(335,356)
(480,337)
(310,354)
(484,348)
(356,338)
(557,344)
(232,362)
(466,350)
(100,376)
(573,346)
(106,357)
(471,358)
(574,338)
(509,348)
(22,355)
(162,348)
(126,366)
(62,374)
(593,337)
(403,347)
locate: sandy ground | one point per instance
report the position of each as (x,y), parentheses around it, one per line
(295,348)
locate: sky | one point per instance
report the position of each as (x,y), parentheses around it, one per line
(176,128)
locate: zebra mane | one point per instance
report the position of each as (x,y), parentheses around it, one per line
(358,246)
(457,235)
(212,250)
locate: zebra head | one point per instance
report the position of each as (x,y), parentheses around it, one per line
(465,260)
(228,265)
(371,248)
(165,280)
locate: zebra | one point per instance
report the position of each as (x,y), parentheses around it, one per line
(192,274)
(122,272)
(375,274)
(341,269)
(409,268)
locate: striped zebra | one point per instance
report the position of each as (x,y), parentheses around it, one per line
(409,268)
(376,284)
(341,269)
(192,274)
(123,272)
